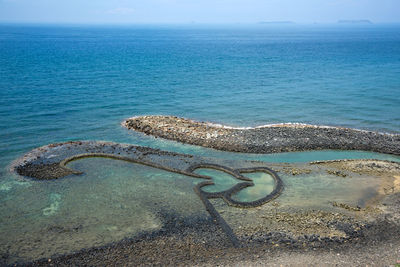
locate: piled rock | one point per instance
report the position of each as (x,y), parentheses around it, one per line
(267,139)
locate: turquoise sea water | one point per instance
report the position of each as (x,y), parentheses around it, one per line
(60,83)
(79,82)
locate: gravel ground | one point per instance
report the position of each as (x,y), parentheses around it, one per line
(194,248)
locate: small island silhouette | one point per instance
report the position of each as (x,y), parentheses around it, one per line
(361,21)
(277,22)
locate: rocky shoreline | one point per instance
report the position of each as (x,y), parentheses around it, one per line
(261,233)
(265,139)
(190,249)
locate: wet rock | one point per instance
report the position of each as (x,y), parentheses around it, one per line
(345,206)
(337,173)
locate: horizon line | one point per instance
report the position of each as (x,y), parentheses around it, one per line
(258,23)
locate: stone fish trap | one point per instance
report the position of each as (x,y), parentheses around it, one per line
(226,195)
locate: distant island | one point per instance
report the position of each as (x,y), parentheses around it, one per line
(361,21)
(276,22)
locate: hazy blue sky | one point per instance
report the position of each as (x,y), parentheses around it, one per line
(202,11)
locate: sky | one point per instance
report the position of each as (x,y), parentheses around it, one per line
(197,11)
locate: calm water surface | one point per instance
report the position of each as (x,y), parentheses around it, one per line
(63,83)
(60,83)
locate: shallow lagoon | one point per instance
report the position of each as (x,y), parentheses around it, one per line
(114,200)
(111,201)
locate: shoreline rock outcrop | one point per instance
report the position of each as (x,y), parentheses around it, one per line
(265,139)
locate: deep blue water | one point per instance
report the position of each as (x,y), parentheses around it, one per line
(61,83)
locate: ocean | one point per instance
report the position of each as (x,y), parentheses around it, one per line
(63,83)
(70,82)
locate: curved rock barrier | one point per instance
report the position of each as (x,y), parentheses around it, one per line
(227,194)
(64,162)
(35,165)
(264,139)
